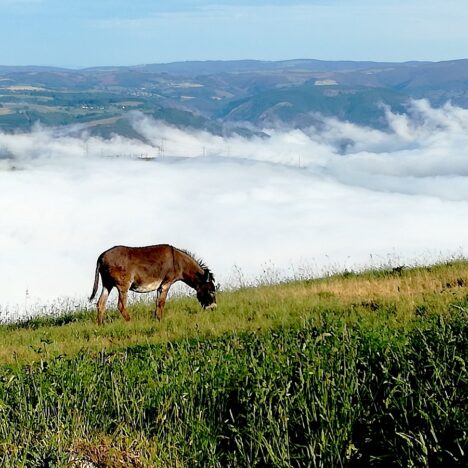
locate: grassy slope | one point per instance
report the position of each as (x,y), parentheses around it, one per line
(397,296)
(352,369)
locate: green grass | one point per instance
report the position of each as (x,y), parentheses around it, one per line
(379,297)
(354,369)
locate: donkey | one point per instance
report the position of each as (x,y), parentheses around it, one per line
(152,268)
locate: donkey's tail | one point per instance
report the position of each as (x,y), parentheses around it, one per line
(96,279)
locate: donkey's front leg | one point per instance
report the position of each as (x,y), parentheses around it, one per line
(122,305)
(161,300)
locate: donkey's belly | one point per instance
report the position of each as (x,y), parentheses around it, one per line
(145,287)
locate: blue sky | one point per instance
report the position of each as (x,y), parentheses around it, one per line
(121,32)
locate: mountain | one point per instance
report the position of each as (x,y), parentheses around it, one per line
(215,95)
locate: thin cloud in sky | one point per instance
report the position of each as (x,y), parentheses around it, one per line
(19,2)
(360,30)
(295,199)
(113,33)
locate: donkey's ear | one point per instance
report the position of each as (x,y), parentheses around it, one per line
(208,276)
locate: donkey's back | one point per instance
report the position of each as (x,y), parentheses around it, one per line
(140,269)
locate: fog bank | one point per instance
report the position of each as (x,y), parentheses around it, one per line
(334,196)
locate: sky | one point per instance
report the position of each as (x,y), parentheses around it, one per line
(118,32)
(289,205)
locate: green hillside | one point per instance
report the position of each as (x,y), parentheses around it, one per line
(210,95)
(300,105)
(352,369)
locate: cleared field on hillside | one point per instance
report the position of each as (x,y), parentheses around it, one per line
(352,369)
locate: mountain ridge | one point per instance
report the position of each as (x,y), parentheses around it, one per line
(214,94)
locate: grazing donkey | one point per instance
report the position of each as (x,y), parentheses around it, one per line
(145,269)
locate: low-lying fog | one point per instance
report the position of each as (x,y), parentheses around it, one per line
(335,197)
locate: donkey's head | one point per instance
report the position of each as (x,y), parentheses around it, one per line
(206,289)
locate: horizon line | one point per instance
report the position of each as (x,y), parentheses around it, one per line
(198,61)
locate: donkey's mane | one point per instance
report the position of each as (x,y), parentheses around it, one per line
(197,259)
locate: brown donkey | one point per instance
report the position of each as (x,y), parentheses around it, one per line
(145,269)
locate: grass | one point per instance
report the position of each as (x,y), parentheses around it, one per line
(354,369)
(396,294)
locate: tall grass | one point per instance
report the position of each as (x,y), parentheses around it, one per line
(350,370)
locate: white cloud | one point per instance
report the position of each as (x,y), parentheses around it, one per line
(295,198)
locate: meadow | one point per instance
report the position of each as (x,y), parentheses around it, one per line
(354,369)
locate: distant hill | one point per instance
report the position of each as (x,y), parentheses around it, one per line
(214,94)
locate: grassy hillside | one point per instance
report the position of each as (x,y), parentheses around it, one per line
(208,95)
(354,369)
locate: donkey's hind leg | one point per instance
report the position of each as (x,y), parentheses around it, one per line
(101,305)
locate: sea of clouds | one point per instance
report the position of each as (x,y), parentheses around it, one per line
(284,203)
